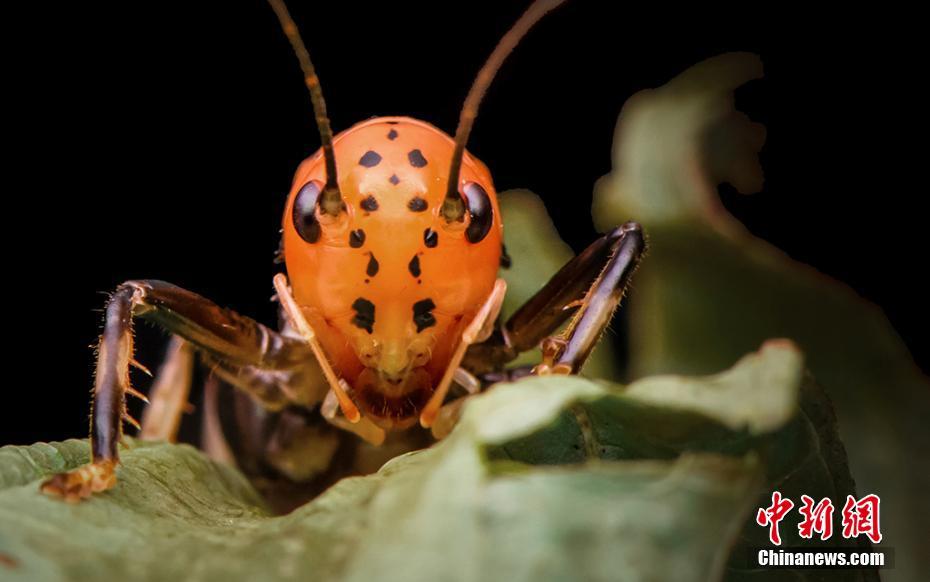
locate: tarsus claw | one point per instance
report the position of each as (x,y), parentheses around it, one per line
(82,482)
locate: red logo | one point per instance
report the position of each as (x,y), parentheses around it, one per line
(773,514)
(816,519)
(861,517)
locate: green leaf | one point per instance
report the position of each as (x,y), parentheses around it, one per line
(709,290)
(548,478)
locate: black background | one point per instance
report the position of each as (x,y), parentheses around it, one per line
(159,139)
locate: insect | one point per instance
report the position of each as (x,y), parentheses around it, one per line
(392,242)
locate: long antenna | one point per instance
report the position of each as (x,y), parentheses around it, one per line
(331,201)
(453,207)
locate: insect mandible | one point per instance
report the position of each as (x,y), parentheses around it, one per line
(392,241)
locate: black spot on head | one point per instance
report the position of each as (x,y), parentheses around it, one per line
(370,159)
(369,204)
(364,317)
(394,179)
(416,158)
(372,268)
(422,314)
(392,135)
(356,238)
(430,238)
(417,204)
(414,266)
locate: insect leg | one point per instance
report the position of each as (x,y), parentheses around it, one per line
(212,440)
(566,352)
(216,331)
(168,394)
(587,289)
(273,389)
(468,381)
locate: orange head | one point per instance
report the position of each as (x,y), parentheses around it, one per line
(392,239)
(388,285)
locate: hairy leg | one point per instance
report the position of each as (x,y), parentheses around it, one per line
(586,290)
(220,333)
(566,352)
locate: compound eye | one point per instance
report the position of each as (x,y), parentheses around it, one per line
(304,211)
(480,211)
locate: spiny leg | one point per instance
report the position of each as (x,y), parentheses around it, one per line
(221,333)
(587,289)
(567,352)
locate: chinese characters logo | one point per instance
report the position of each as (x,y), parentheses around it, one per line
(860,517)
